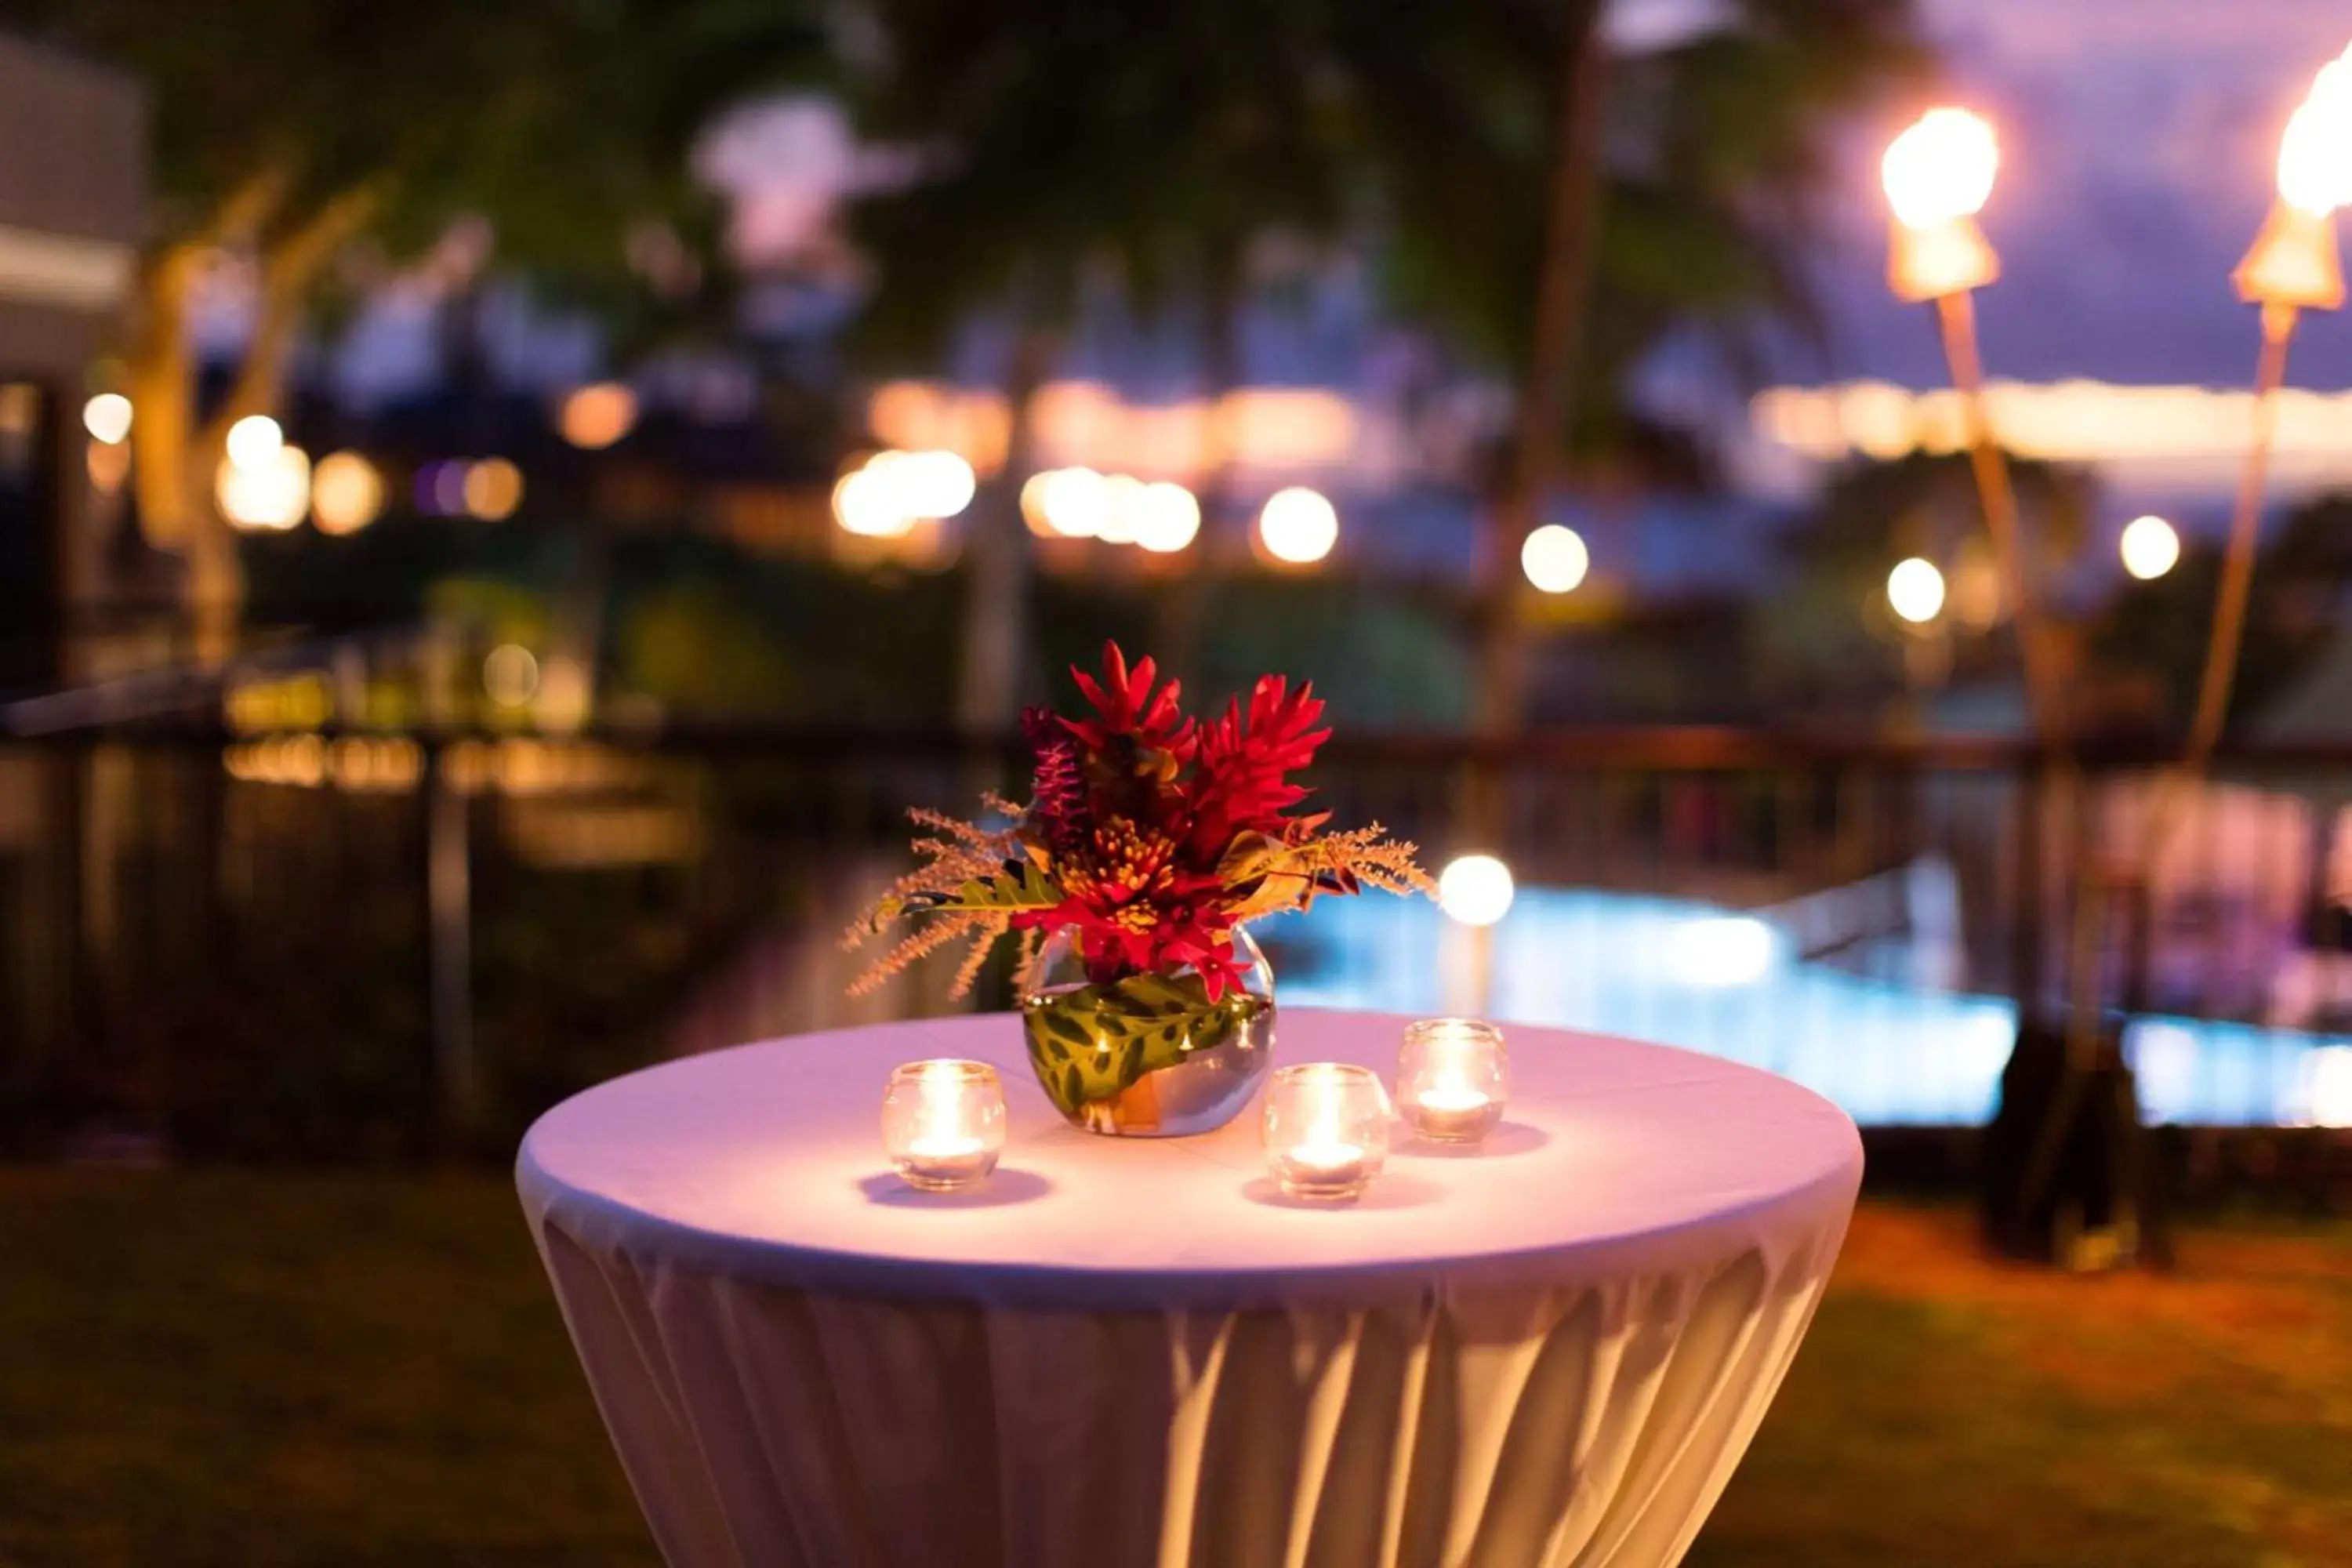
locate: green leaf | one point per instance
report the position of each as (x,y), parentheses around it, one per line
(1021,886)
(1116,1033)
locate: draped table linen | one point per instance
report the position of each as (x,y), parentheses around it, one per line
(1124,1352)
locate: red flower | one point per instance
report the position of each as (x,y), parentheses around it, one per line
(1057,792)
(1151,939)
(1137,805)
(1240,787)
(1135,907)
(1126,706)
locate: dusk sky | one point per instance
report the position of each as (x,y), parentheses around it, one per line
(2138,138)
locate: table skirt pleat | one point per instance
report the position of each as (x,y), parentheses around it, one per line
(1500,1427)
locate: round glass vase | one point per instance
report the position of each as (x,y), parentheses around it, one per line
(1148,1056)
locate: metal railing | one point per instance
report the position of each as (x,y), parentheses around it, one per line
(353,944)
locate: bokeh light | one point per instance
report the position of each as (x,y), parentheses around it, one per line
(273,492)
(1298,525)
(1122,510)
(1915,590)
(1941,167)
(1169,518)
(2150,547)
(885,496)
(511,675)
(107,417)
(1033,503)
(492,489)
(1555,559)
(863,505)
(1475,889)
(346,493)
(596,415)
(253,440)
(933,483)
(566,693)
(1074,502)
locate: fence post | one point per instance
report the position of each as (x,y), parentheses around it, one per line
(448,902)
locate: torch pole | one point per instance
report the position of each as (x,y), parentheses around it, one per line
(2226,639)
(2238,564)
(1956,312)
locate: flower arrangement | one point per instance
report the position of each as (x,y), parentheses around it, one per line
(1150,839)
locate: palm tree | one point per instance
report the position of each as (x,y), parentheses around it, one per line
(1616,200)
(290,130)
(1478,144)
(1066,150)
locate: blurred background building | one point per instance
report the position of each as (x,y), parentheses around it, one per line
(73,209)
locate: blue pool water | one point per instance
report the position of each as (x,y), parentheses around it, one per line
(1713,980)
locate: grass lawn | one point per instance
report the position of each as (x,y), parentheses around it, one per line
(258,1370)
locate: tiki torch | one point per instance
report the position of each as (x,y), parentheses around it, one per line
(2293,267)
(1938,174)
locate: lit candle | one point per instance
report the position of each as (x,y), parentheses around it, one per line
(943,1123)
(1452,1078)
(1327,1130)
(1453,1113)
(1324,1159)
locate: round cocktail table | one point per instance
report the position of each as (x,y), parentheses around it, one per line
(1136,1351)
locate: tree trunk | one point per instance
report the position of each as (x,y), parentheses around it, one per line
(173,455)
(996,609)
(169,473)
(163,376)
(1544,404)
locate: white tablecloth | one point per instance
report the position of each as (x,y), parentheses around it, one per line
(1127,1352)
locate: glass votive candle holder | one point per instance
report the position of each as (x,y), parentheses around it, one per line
(1327,1130)
(943,1123)
(1454,1078)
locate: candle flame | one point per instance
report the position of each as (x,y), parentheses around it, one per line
(939,1114)
(1450,1065)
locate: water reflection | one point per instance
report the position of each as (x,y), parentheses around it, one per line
(1888,1045)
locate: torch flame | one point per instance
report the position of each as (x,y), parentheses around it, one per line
(2315,161)
(1941,168)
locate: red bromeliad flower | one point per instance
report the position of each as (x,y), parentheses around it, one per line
(1239,786)
(1057,787)
(1136,906)
(1148,837)
(1125,707)
(1134,839)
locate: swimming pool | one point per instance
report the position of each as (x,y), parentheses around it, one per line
(1714,980)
